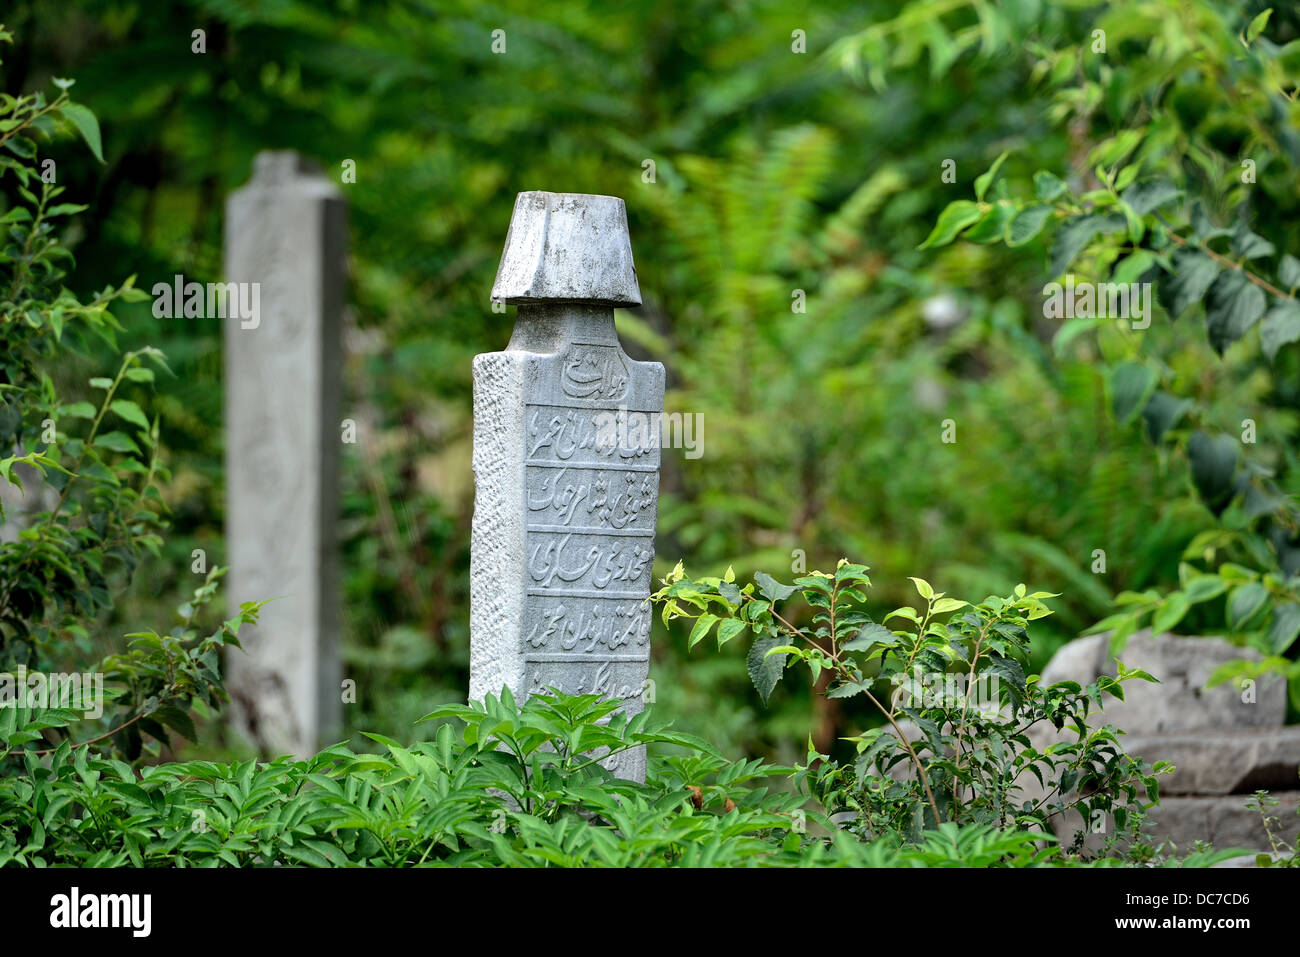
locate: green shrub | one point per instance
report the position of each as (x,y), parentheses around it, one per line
(499,785)
(956,671)
(98,461)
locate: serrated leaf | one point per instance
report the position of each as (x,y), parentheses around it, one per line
(765,670)
(1232,306)
(1146,196)
(1250,245)
(1027,224)
(1075,234)
(1288,271)
(729,629)
(1048,186)
(771,589)
(1192,273)
(1280,327)
(870,635)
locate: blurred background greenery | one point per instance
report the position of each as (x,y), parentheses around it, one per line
(775,171)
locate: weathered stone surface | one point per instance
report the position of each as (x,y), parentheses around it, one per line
(566,468)
(286,231)
(1180,703)
(1238,762)
(567,247)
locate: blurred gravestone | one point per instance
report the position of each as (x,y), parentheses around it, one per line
(285,231)
(566,468)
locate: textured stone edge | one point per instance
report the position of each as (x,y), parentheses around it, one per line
(497,536)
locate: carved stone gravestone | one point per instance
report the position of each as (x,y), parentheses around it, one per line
(566,468)
(285,231)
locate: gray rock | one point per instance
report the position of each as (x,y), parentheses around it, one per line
(1180,703)
(1239,762)
(566,468)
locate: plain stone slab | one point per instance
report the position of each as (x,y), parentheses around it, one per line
(1180,703)
(286,231)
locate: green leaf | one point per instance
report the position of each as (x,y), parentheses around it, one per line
(923,588)
(992,226)
(1192,273)
(1201,225)
(870,635)
(131,412)
(1280,327)
(1131,385)
(945,605)
(1076,234)
(765,670)
(956,217)
(1214,463)
(1149,195)
(178,720)
(1170,613)
(1010,672)
(702,626)
(86,125)
(1257,25)
(1048,186)
(99,382)
(1162,412)
(1246,602)
(79,410)
(1286,626)
(985,180)
(1203,588)
(1288,271)
(1027,224)
(117,441)
(771,589)
(1233,305)
(729,629)
(1250,245)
